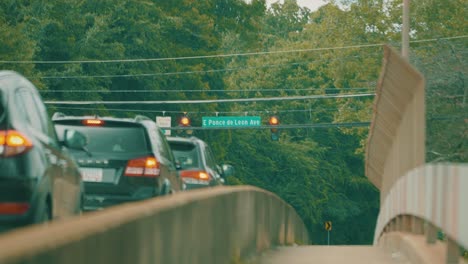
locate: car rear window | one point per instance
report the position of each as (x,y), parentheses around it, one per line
(110,139)
(186,154)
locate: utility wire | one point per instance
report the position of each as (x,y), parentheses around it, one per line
(199,91)
(162,74)
(284,98)
(192,57)
(221,55)
(245,113)
(438,39)
(202,71)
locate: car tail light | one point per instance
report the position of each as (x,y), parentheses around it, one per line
(93,122)
(10,208)
(196,174)
(145,166)
(13,143)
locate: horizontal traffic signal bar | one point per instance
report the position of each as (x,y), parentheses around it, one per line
(293,126)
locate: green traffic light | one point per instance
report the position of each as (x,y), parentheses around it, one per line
(275,136)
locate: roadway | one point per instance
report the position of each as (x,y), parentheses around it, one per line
(330,255)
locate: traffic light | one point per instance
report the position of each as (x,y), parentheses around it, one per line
(274,121)
(184,121)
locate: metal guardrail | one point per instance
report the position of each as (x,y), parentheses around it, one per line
(219,225)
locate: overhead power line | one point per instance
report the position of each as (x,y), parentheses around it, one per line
(438,39)
(200,91)
(245,113)
(158,74)
(220,55)
(292,126)
(193,57)
(167,74)
(284,98)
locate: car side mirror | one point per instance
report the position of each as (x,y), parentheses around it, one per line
(74,139)
(228,170)
(178,165)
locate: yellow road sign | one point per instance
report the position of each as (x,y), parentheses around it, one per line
(328,225)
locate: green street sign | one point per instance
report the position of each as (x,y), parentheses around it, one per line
(231,121)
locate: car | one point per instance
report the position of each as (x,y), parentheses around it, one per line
(126,159)
(198,164)
(39,180)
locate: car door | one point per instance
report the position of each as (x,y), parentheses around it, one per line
(166,153)
(64,179)
(42,165)
(68,173)
(212,166)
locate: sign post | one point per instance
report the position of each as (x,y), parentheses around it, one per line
(328,227)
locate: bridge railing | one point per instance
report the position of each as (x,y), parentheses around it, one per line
(425,201)
(396,142)
(415,198)
(220,225)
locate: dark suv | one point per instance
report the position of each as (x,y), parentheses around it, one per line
(198,164)
(125,159)
(38,179)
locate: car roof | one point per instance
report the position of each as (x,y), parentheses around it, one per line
(4,73)
(14,78)
(193,140)
(138,119)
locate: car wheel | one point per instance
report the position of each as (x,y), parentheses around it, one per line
(44,214)
(80,207)
(166,188)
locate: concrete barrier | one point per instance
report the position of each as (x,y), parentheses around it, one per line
(220,225)
(396,142)
(415,198)
(427,199)
(434,193)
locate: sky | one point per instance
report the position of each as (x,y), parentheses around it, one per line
(311,4)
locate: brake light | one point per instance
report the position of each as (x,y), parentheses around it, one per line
(145,166)
(13,143)
(93,122)
(10,208)
(195,174)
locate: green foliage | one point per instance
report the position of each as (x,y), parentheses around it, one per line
(444,68)
(318,171)
(15,44)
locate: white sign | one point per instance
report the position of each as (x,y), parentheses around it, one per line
(164,121)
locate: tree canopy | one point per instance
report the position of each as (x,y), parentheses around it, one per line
(143,50)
